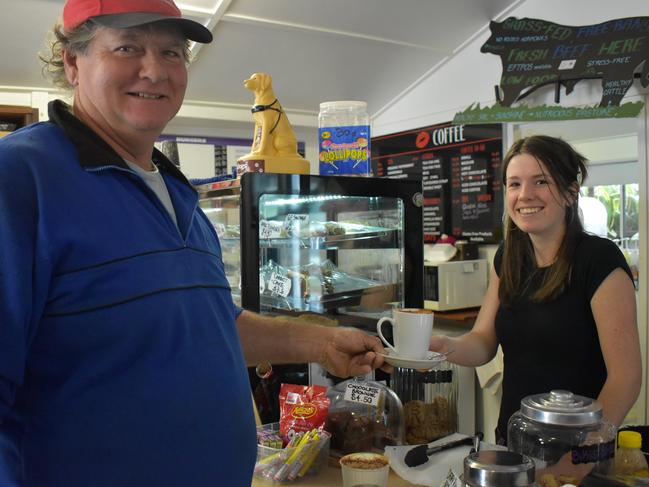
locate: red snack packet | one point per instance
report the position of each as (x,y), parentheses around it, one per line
(302,408)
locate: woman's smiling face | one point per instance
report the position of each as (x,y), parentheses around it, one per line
(534,202)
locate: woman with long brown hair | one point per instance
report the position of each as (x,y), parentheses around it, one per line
(560,301)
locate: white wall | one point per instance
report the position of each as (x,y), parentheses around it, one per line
(188,122)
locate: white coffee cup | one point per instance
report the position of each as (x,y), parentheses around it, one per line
(411,330)
(365,469)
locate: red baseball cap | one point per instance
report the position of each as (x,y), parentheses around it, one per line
(123,14)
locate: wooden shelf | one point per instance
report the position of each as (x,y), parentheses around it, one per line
(20,116)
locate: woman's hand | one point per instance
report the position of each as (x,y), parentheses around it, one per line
(440,343)
(563,472)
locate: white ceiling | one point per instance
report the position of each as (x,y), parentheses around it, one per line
(315,50)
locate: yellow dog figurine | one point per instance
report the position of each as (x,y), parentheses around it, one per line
(274,145)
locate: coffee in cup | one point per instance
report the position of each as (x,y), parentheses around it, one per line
(411,330)
(365,468)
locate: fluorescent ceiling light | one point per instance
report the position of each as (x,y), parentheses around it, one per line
(199,6)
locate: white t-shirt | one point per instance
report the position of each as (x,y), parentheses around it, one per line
(157,184)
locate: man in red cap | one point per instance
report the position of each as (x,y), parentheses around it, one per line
(122,356)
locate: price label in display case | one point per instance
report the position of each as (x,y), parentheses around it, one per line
(219,228)
(270,229)
(279,285)
(294,222)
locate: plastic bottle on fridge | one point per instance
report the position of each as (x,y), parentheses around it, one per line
(344,138)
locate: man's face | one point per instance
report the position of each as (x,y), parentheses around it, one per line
(130,82)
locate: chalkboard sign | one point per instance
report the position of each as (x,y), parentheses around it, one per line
(536,52)
(460,170)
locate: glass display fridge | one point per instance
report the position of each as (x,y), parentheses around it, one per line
(347,248)
(332,250)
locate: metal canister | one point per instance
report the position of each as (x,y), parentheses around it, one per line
(495,468)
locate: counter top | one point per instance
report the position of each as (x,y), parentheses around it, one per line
(433,472)
(330,477)
(462,319)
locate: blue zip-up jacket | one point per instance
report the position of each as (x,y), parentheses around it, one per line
(120,363)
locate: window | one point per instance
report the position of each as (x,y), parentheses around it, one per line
(622,204)
(622,207)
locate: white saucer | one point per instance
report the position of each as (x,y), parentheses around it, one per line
(433,359)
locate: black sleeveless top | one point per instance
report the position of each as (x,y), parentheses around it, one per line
(554,345)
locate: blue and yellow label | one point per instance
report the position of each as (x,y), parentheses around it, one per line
(345,150)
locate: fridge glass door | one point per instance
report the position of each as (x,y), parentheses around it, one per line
(330,254)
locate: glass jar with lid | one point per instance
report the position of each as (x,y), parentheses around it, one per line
(344,138)
(363,416)
(429,401)
(564,433)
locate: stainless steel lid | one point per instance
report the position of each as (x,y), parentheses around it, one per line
(562,408)
(491,468)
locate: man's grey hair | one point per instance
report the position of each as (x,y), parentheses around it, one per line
(77,42)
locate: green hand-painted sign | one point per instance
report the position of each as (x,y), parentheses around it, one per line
(535,53)
(498,114)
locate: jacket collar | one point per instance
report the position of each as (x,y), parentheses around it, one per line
(92,150)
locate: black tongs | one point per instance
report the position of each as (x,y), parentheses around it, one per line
(420,454)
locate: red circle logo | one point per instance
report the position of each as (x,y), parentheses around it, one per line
(422,139)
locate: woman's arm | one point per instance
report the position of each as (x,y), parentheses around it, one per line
(614,309)
(479,345)
(342,351)
(613,306)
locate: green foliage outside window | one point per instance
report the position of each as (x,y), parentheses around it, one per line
(622,204)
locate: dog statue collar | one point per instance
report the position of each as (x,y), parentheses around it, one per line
(262,108)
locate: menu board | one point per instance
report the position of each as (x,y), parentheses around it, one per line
(460,170)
